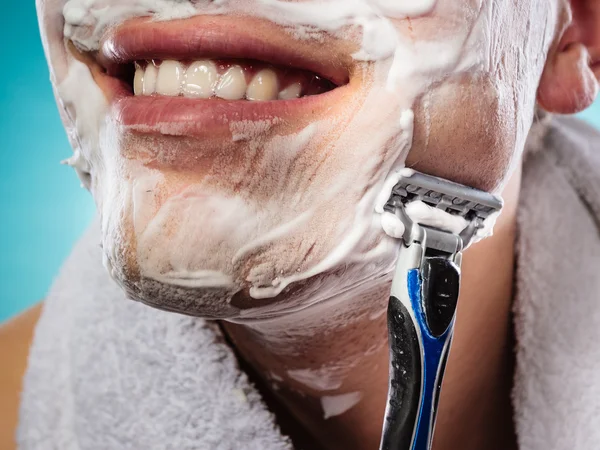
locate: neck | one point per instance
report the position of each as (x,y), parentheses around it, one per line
(328,365)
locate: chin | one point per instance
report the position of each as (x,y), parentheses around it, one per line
(194,247)
(198,293)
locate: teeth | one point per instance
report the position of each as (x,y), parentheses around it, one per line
(291,92)
(264,86)
(170,77)
(206,79)
(138,80)
(200,80)
(232,85)
(150,75)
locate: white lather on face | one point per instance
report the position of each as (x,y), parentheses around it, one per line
(313,189)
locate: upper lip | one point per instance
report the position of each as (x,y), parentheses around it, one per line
(220,38)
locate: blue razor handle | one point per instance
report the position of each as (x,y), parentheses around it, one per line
(420,324)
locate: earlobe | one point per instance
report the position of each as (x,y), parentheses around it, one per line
(569,84)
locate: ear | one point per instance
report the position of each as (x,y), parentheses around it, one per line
(569,83)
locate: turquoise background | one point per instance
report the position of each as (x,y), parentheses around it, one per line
(43,209)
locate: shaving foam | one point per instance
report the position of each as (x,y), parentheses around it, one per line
(336,405)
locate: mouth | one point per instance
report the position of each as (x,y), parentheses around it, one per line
(196,76)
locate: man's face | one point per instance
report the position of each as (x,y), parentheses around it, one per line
(240,207)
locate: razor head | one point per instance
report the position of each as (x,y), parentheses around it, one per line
(455,199)
(448,196)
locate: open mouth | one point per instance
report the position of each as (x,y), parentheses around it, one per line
(204,72)
(228,80)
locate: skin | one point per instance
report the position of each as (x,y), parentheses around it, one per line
(475,408)
(16,336)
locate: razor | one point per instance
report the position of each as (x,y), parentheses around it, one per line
(423,301)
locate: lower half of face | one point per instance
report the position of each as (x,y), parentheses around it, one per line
(236,187)
(267,217)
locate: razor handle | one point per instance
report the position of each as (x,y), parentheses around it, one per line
(421,315)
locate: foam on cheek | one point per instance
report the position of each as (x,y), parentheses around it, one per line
(334,209)
(85,119)
(86,20)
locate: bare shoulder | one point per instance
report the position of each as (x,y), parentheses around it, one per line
(15,339)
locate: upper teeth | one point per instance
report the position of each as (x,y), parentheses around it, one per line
(149,79)
(170,78)
(264,86)
(201,79)
(290,92)
(232,85)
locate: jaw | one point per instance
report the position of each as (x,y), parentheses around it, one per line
(244,242)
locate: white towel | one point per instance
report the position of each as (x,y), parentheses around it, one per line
(557,310)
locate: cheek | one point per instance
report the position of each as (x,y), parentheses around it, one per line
(465,131)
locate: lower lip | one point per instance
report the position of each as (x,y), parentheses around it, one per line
(182,116)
